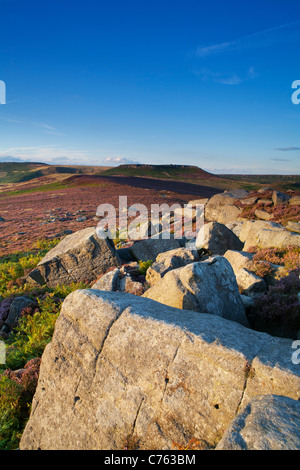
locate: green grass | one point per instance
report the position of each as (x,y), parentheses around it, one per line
(26,343)
(38,189)
(20,172)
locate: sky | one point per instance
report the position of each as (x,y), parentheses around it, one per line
(175,82)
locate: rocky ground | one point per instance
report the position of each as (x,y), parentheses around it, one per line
(168,342)
(42,215)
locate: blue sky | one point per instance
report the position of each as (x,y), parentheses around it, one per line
(183,82)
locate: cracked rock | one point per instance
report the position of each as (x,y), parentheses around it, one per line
(119,364)
(79,257)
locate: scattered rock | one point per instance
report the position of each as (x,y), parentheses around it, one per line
(248,282)
(265,202)
(149,249)
(220,208)
(279,198)
(109,281)
(121,279)
(249,200)
(217,239)
(293,226)
(207,286)
(267,235)
(122,365)
(195,202)
(15,310)
(239,259)
(235,227)
(79,257)
(170,260)
(295,200)
(263,215)
(269,422)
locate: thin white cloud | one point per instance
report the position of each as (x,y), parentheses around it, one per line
(269,37)
(45,127)
(48,154)
(225,78)
(112,161)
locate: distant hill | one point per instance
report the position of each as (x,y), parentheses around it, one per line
(173,172)
(17,172)
(41,175)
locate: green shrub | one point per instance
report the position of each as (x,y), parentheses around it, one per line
(143,266)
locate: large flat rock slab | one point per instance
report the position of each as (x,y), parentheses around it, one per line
(121,365)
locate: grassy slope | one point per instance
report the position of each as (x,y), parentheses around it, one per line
(195,175)
(13,176)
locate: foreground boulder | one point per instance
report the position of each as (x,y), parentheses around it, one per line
(206,286)
(267,235)
(79,257)
(269,422)
(120,365)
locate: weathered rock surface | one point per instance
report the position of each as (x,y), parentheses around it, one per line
(169,260)
(109,281)
(293,226)
(295,200)
(81,256)
(266,235)
(123,279)
(235,227)
(248,282)
(249,200)
(217,238)
(120,365)
(269,422)
(150,248)
(279,198)
(263,215)
(206,286)
(220,208)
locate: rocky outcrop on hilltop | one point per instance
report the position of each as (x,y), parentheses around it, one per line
(180,352)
